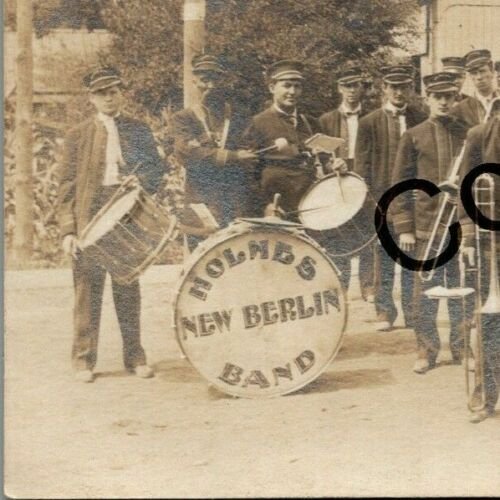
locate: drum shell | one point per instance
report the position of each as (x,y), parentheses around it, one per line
(209,360)
(135,240)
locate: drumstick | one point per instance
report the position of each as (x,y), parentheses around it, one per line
(279,144)
(340,186)
(312,209)
(339,176)
(276,200)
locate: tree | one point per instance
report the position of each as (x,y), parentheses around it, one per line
(23,234)
(324,33)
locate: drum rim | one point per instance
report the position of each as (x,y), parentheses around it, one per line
(231,235)
(98,216)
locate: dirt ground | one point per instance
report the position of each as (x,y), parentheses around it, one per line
(367,426)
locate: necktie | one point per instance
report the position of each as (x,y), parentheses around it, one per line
(292,119)
(113,152)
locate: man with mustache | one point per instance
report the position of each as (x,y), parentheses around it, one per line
(219,173)
(479,65)
(427,151)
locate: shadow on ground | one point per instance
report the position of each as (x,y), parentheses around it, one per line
(348,379)
(359,345)
(177,370)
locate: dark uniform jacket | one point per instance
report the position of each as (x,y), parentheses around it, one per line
(372,159)
(83,166)
(213,177)
(469,110)
(282,173)
(483,146)
(427,151)
(334,124)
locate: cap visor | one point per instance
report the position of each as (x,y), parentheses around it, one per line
(349,80)
(105,84)
(398,80)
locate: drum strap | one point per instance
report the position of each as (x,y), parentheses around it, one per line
(307,124)
(200,114)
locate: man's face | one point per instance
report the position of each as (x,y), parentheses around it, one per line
(440,103)
(211,86)
(397,94)
(482,78)
(286,93)
(460,80)
(207,81)
(107,101)
(351,93)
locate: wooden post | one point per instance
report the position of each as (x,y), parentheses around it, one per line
(23,233)
(194,43)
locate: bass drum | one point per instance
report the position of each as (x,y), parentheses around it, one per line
(259,309)
(338,212)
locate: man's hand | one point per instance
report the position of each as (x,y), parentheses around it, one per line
(339,165)
(245,155)
(272,211)
(130,181)
(468,255)
(70,246)
(407,242)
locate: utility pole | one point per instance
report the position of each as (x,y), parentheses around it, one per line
(194,43)
(23,233)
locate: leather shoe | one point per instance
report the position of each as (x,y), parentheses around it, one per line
(421,366)
(479,416)
(144,371)
(85,376)
(383,326)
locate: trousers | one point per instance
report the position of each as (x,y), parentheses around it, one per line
(426,309)
(88,282)
(384,278)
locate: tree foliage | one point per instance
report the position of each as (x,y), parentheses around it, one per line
(249,35)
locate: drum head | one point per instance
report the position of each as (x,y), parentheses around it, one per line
(260,313)
(332,201)
(106,220)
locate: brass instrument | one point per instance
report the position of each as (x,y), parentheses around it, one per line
(448,208)
(484,195)
(445,217)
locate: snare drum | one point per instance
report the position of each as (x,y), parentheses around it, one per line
(128,234)
(260,311)
(338,212)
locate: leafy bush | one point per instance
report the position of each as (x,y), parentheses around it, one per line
(147,47)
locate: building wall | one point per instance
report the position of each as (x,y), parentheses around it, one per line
(77,46)
(460,26)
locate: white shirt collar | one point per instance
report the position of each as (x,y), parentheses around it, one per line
(391,108)
(279,110)
(486,100)
(106,118)
(344,109)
